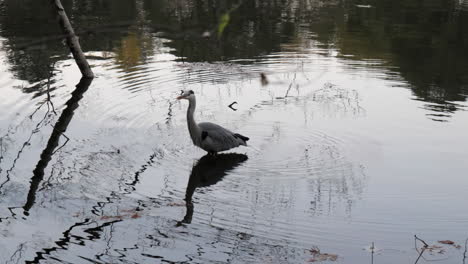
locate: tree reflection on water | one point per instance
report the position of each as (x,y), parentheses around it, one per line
(58,131)
(425,42)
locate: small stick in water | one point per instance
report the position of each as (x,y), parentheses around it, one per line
(416,247)
(425,244)
(263,79)
(233,103)
(464,253)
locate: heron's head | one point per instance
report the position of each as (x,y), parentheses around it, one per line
(186,94)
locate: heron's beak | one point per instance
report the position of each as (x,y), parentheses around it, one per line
(180,97)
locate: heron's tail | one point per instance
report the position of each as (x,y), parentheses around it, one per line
(241,137)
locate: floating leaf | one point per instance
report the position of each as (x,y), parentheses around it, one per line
(136,215)
(109,217)
(314,251)
(176,204)
(447,242)
(450,242)
(317,256)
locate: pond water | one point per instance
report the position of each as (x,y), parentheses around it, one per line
(359,138)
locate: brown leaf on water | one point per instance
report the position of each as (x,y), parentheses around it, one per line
(176,204)
(314,251)
(317,256)
(450,242)
(447,242)
(332,257)
(126,214)
(434,249)
(136,215)
(108,217)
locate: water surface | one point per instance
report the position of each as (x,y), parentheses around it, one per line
(359,137)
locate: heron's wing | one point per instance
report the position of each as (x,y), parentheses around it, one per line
(221,138)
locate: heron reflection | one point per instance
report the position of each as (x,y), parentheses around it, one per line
(209,170)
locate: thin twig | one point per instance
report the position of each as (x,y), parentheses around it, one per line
(425,244)
(372,253)
(49,101)
(464,253)
(420,254)
(290,85)
(289,88)
(63,145)
(233,103)
(37,109)
(19,251)
(416,247)
(1,152)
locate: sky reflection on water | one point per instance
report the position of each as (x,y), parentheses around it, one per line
(359,136)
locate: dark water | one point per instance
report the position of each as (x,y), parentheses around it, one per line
(359,137)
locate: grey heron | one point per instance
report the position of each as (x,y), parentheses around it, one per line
(208,136)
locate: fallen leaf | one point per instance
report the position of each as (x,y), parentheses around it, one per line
(107,217)
(332,257)
(136,215)
(314,251)
(176,204)
(317,256)
(447,242)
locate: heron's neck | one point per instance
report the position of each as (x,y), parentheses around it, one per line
(193,128)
